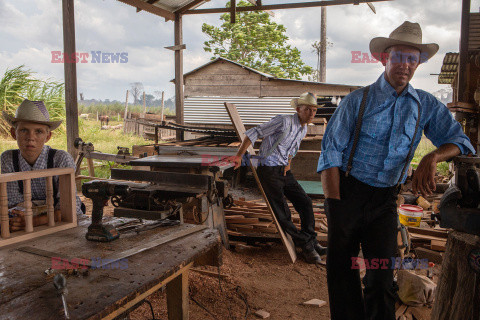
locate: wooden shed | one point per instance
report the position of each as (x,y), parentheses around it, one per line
(258,96)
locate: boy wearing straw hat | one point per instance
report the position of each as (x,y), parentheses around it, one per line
(367,147)
(282,136)
(32,128)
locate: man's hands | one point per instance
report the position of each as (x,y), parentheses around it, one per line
(424,177)
(237,160)
(331,183)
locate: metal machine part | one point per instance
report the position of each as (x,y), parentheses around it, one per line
(459,204)
(100,191)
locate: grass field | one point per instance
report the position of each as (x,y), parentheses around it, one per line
(105,141)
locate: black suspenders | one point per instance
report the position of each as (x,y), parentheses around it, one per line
(16,168)
(358,126)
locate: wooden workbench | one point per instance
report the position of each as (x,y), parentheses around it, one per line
(27,292)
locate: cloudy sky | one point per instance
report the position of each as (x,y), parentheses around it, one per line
(31,30)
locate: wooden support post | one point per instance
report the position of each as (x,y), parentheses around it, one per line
(5,227)
(179,98)
(68,208)
(27,203)
(163,104)
(91,167)
(125,114)
(50,197)
(233,11)
(71,105)
(177,297)
(462,68)
(458,289)
(156,135)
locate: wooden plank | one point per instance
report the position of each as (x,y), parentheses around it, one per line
(177,47)
(429,232)
(432,256)
(14,176)
(5,226)
(70,74)
(240,129)
(178,297)
(438,245)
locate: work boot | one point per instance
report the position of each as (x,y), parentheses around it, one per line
(311,256)
(321,250)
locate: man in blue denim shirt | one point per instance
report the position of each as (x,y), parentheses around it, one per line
(361,205)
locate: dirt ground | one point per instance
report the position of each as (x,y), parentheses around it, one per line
(254,278)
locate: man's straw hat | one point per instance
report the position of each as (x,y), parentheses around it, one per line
(408,34)
(306,99)
(32,111)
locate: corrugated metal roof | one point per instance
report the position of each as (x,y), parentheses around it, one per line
(252,110)
(449,68)
(172,5)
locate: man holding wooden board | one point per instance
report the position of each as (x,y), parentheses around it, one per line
(282,136)
(32,128)
(367,147)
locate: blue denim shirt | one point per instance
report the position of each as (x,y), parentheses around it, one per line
(387,131)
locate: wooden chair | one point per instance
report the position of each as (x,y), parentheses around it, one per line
(67,204)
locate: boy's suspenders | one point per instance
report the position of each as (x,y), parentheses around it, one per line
(358,126)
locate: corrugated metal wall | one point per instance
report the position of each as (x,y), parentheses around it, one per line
(252,110)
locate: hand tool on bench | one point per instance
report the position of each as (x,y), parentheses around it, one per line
(60,283)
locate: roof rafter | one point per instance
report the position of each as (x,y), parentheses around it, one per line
(282,6)
(150,8)
(189,6)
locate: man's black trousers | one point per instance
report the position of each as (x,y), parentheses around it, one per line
(277,187)
(365,216)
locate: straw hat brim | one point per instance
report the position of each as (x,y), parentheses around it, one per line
(12,120)
(294,103)
(378,45)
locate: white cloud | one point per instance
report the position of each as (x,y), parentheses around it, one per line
(33,29)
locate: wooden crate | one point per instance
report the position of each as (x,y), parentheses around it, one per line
(67,204)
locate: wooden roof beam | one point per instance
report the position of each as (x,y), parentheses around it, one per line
(189,6)
(150,8)
(281,6)
(149,2)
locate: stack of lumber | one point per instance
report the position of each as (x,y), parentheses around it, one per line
(252,218)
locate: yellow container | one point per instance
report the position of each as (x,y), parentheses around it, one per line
(410,215)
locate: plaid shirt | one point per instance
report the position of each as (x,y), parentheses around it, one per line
(387,131)
(62,159)
(272,131)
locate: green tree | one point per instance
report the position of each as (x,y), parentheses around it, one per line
(257,42)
